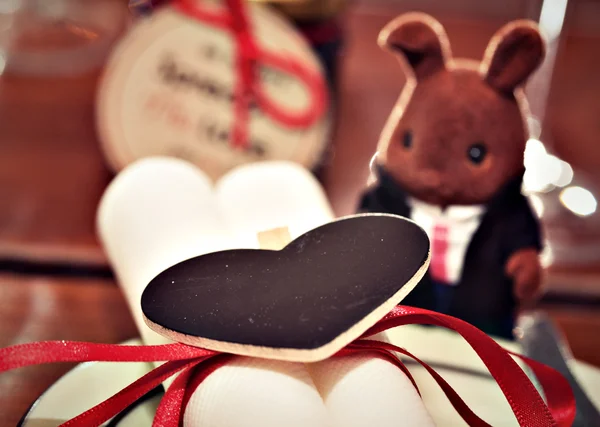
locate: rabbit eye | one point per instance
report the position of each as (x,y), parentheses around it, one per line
(476,153)
(407,139)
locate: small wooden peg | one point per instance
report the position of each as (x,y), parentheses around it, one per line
(274,239)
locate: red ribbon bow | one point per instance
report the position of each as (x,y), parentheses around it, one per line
(250,55)
(194,364)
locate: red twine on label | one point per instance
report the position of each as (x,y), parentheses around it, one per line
(194,364)
(249,57)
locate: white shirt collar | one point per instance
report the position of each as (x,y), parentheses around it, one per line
(453,212)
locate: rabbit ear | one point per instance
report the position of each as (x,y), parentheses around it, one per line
(512,55)
(421,42)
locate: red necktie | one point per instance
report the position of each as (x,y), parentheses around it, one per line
(439,251)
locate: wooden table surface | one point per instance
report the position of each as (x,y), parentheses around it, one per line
(52,174)
(42,308)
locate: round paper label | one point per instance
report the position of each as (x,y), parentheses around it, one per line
(169,89)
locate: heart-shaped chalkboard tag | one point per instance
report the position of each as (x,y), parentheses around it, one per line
(302,303)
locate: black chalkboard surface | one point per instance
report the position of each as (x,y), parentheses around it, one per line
(302,303)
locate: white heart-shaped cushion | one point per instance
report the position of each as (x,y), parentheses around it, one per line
(349,391)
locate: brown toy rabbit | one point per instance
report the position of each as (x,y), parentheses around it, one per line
(451,158)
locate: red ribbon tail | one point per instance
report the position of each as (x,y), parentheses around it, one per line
(358,347)
(117,403)
(172,406)
(202,371)
(457,402)
(524,399)
(313,82)
(240,136)
(557,390)
(169,411)
(38,353)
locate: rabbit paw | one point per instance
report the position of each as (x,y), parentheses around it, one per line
(524,268)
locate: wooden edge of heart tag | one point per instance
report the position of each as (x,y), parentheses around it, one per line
(277,239)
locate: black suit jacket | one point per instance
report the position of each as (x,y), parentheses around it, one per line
(484,294)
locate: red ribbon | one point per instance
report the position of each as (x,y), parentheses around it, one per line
(249,55)
(194,364)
